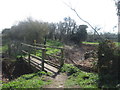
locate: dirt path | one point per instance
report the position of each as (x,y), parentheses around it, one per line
(58,81)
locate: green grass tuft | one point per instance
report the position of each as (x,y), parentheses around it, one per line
(69,69)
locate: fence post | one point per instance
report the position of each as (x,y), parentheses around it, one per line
(21,49)
(62,60)
(43,58)
(35,48)
(29,58)
(9,50)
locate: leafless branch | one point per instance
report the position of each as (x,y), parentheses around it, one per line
(83,19)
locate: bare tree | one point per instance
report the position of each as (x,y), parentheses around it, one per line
(84,20)
(116,2)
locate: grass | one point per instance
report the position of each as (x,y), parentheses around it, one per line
(34,80)
(83,79)
(54,43)
(77,77)
(80,78)
(3,48)
(51,50)
(93,43)
(96,43)
(38,52)
(117,43)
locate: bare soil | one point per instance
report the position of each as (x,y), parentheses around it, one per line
(57,82)
(75,55)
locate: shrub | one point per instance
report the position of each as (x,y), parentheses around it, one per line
(108,63)
(106,55)
(69,69)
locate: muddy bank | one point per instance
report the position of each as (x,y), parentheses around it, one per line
(76,53)
(77,56)
(11,69)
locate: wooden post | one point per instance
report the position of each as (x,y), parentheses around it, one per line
(21,50)
(35,48)
(43,58)
(62,60)
(45,40)
(9,50)
(29,58)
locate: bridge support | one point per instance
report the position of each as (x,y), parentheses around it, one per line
(43,58)
(62,58)
(29,58)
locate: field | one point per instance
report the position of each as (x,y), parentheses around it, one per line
(96,43)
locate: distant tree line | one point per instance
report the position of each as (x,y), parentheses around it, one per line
(30,30)
(107,35)
(65,31)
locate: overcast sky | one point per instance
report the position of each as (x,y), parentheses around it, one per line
(100,13)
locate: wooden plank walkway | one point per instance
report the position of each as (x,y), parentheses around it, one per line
(37,64)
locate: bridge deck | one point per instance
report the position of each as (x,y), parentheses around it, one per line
(37,64)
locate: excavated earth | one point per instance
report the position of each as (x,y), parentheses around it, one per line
(76,55)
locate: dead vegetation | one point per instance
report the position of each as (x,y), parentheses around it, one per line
(83,57)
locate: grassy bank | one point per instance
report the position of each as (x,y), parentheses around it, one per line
(34,80)
(80,78)
(84,79)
